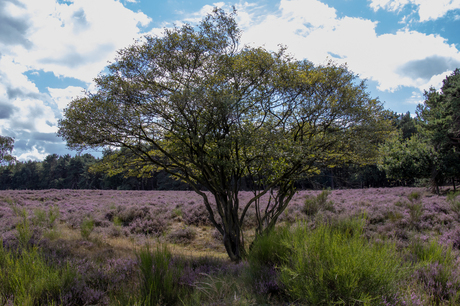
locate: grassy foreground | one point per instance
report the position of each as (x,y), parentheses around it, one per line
(395,246)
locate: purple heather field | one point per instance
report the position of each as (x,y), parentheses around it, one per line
(389,212)
(401,214)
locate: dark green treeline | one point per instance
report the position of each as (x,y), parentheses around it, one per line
(73,172)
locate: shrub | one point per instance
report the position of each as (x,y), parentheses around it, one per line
(159,279)
(331,266)
(154,227)
(196,214)
(117,221)
(26,278)
(313,205)
(454,202)
(176,213)
(266,254)
(24,232)
(182,235)
(270,249)
(437,271)
(414,196)
(415,207)
(46,219)
(86,227)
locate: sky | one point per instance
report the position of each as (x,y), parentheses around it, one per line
(50,50)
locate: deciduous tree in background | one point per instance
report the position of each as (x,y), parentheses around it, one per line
(213,113)
(440,123)
(434,152)
(6,147)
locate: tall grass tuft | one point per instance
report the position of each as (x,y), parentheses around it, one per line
(415,207)
(26,278)
(159,279)
(24,233)
(267,253)
(86,227)
(313,205)
(332,266)
(436,271)
(454,201)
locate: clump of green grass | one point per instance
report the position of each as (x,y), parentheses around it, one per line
(436,271)
(313,205)
(86,227)
(24,233)
(415,207)
(454,202)
(26,278)
(158,278)
(335,266)
(270,249)
(117,221)
(46,219)
(221,290)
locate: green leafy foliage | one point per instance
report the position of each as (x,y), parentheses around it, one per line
(6,147)
(406,159)
(195,104)
(440,118)
(331,266)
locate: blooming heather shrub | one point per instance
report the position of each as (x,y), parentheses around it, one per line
(196,214)
(182,235)
(113,231)
(196,267)
(440,282)
(131,213)
(437,270)
(154,227)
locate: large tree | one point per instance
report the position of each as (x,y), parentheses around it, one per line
(433,152)
(6,147)
(440,125)
(212,113)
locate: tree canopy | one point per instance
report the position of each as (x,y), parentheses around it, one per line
(6,147)
(213,113)
(434,151)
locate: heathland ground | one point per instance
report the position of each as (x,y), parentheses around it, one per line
(376,246)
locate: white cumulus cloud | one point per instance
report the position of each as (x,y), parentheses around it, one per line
(312,30)
(427,9)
